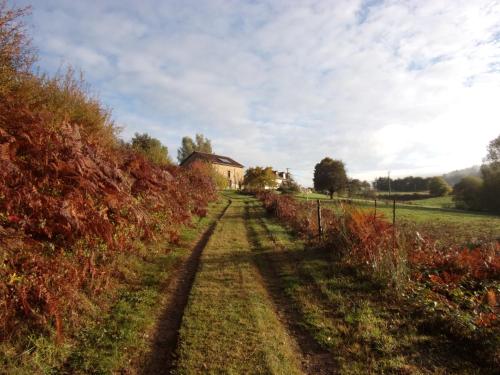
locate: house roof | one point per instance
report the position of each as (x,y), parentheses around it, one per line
(212,158)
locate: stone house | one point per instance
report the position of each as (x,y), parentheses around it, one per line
(227,167)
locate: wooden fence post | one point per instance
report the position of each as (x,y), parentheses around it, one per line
(320,228)
(394,225)
(375,200)
(394,213)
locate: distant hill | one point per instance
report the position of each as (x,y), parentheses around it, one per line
(453,177)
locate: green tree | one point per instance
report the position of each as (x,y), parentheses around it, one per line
(490,171)
(151,148)
(188,146)
(494,151)
(467,192)
(354,186)
(438,186)
(330,175)
(258,178)
(490,192)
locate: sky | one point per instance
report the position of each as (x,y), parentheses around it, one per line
(410,87)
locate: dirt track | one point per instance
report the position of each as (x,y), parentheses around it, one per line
(314,358)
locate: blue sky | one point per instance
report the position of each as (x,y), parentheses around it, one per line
(406,86)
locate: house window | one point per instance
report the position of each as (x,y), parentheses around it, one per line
(228,174)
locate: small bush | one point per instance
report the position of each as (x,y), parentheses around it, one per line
(438,187)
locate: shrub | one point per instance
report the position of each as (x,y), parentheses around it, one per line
(490,191)
(466,193)
(438,187)
(482,194)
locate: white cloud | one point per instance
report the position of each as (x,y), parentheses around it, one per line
(406,86)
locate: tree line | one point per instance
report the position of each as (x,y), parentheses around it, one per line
(406,184)
(436,186)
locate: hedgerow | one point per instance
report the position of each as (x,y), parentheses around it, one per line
(455,287)
(71,197)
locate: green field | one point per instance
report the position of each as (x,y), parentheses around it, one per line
(440,202)
(386,193)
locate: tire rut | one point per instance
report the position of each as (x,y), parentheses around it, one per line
(162,357)
(315,359)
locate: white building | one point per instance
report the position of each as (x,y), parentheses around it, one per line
(280,178)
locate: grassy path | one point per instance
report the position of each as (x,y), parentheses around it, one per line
(230,324)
